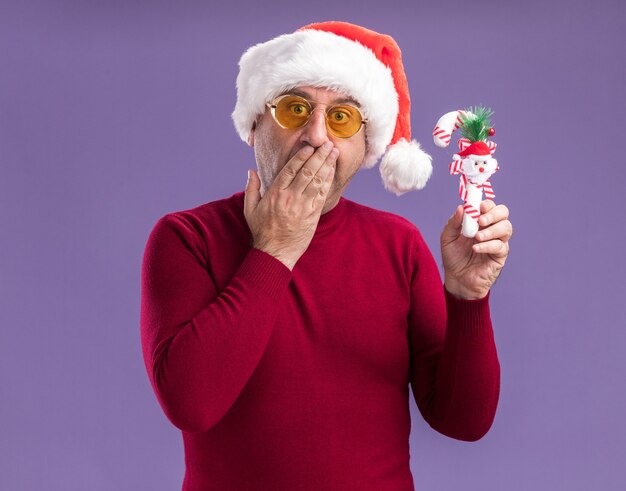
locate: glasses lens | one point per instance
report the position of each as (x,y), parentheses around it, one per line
(292,111)
(344,121)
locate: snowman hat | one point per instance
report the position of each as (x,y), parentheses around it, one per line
(478,149)
(349,59)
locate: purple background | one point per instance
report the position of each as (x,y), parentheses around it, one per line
(115,113)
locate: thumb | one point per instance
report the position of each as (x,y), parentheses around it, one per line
(453,227)
(252,193)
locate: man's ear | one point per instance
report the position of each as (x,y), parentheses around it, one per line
(251,135)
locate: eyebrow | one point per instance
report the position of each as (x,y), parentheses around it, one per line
(341,100)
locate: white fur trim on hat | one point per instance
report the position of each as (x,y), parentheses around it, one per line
(405,167)
(479,158)
(319,59)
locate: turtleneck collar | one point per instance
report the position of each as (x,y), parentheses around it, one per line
(331,219)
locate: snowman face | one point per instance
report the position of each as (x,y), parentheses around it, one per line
(479,167)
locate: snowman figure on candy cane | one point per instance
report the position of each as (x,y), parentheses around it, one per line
(474,160)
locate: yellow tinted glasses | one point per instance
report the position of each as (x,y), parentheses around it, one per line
(292,111)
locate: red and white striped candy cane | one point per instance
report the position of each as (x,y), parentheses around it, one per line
(471,193)
(446,125)
(489,194)
(471,212)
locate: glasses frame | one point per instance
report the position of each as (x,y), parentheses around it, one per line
(312,104)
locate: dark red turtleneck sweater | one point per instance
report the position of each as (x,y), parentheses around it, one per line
(298,380)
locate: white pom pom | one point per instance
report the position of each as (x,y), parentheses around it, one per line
(405,166)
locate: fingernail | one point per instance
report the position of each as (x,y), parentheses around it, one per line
(248,181)
(327,145)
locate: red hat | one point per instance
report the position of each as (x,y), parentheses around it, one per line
(347,58)
(478,148)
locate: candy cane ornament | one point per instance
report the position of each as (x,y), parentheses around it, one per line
(474,160)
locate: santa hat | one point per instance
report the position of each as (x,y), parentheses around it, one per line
(350,59)
(478,149)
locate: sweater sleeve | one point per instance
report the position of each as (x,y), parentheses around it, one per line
(455,372)
(200,345)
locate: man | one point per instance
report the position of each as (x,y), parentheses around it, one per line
(282,326)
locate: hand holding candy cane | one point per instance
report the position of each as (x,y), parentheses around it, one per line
(471,266)
(473,258)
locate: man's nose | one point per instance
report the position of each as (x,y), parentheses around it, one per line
(315,132)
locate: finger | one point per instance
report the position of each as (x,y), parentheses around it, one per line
(252,194)
(320,199)
(500,230)
(496,214)
(452,229)
(308,171)
(486,205)
(494,247)
(319,179)
(291,168)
